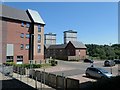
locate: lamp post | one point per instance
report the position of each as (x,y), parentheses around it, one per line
(111,66)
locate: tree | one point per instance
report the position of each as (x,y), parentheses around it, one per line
(104,51)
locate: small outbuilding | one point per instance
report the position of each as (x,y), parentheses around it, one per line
(73,50)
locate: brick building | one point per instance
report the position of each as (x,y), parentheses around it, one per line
(21,35)
(73,50)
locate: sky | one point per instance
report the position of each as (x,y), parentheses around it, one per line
(95,22)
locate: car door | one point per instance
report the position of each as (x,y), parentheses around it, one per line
(93,72)
(98,74)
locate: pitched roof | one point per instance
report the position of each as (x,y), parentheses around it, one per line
(78,44)
(12,13)
(47,46)
(57,46)
(35,16)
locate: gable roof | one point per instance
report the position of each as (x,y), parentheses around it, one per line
(12,13)
(58,46)
(35,16)
(77,44)
(47,46)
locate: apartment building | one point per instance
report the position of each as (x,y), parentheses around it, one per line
(22,35)
(50,38)
(70,35)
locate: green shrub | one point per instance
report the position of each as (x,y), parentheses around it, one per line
(9,63)
(53,62)
(23,65)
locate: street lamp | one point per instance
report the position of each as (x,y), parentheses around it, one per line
(111,58)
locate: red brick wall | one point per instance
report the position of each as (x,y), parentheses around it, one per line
(70,50)
(38,58)
(81,53)
(77,52)
(3,41)
(14,29)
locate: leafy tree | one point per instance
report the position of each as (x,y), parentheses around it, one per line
(104,51)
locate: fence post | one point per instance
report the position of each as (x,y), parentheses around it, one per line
(27,75)
(36,82)
(56,81)
(41,79)
(20,73)
(12,70)
(63,80)
(32,76)
(118,69)
(17,71)
(44,79)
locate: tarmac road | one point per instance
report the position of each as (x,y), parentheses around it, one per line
(76,70)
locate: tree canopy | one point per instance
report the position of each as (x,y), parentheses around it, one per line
(104,51)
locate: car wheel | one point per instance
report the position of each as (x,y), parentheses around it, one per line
(102,77)
(87,75)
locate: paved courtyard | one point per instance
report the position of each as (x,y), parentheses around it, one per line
(76,70)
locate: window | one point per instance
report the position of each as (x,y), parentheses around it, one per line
(22,35)
(27,25)
(22,46)
(27,46)
(27,35)
(39,48)
(19,59)
(60,50)
(68,52)
(9,58)
(39,38)
(39,28)
(22,24)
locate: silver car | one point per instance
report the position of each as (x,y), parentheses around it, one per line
(97,73)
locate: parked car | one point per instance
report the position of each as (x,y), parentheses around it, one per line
(117,61)
(97,73)
(109,63)
(88,61)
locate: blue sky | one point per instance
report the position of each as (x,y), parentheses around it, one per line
(95,22)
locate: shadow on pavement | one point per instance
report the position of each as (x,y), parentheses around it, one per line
(85,85)
(102,84)
(14,84)
(90,77)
